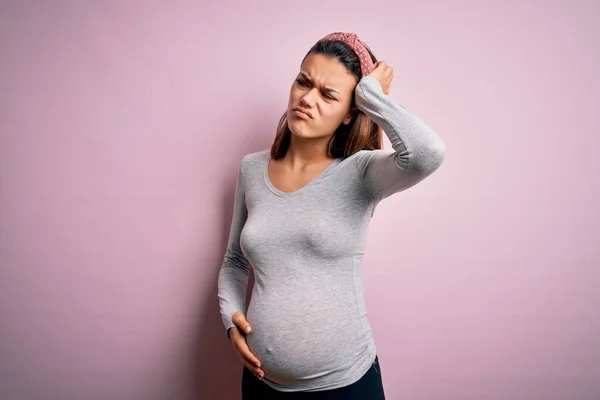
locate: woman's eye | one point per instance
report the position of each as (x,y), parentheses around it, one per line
(304,84)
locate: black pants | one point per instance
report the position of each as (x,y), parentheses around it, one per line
(369,387)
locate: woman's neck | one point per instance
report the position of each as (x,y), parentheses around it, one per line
(303,152)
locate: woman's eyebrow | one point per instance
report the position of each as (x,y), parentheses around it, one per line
(327,89)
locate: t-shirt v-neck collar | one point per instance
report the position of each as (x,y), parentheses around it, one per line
(281,193)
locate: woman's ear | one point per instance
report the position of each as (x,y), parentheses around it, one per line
(351,115)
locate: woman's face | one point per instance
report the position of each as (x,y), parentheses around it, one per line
(323,89)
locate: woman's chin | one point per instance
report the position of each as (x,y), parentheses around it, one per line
(301,134)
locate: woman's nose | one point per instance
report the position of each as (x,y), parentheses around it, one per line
(309,98)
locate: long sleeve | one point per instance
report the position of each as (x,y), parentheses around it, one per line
(235,269)
(418,150)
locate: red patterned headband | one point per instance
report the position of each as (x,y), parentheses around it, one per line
(352,40)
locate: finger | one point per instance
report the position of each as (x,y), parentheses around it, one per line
(259,373)
(240,345)
(240,320)
(245,352)
(389,79)
(379,66)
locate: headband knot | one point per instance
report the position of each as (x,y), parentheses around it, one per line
(352,40)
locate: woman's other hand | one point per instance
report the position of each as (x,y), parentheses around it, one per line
(237,334)
(384,74)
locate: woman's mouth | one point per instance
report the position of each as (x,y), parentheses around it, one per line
(300,113)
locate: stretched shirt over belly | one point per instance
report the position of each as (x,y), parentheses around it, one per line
(321,339)
(307,307)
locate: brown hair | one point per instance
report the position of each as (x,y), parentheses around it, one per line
(361,134)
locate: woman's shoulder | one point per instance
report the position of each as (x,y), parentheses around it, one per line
(254,161)
(261,155)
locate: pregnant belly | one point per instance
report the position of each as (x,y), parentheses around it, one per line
(300,341)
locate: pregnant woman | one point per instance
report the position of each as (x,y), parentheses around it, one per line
(300,219)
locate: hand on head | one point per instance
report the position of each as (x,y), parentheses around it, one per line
(384,74)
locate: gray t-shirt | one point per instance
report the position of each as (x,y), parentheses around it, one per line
(307,307)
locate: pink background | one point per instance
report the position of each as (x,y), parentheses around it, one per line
(122,126)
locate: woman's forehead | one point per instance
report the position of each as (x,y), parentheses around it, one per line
(327,71)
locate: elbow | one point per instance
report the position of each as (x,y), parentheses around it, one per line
(431,157)
(438,153)
(235,259)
